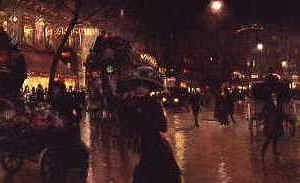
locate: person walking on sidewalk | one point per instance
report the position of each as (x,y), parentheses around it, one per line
(273,126)
(229,99)
(157,163)
(196,103)
(221,109)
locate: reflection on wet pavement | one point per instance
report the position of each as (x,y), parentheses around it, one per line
(209,154)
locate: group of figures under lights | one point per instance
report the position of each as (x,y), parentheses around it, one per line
(48,130)
(118,90)
(51,130)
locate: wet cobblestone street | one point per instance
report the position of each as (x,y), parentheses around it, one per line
(214,153)
(209,154)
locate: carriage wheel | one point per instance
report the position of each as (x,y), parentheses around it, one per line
(51,168)
(11,162)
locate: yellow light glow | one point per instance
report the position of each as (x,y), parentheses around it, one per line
(284,64)
(254,76)
(180,145)
(148,59)
(14,19)
(176,100)
(33,81)
(5,25)
(40,22)
(164,99)
(216,6)
(260,46)
(152,94)
(89,31)
(183,85)
(295,77)
(28,30)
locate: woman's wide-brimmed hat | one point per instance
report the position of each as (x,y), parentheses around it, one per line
(144,76)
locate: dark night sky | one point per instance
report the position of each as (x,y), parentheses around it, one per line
(167,15)
(266,11)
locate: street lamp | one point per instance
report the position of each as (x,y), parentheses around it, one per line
(260,46)
(284,64)
(216,6)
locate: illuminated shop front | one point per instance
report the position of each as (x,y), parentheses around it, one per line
(38,66)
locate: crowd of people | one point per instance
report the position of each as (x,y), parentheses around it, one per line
(39,94)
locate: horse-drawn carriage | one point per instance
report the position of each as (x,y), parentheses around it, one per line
(40,136)
(275,90)
(39,133)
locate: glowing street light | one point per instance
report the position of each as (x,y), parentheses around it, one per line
(14,19)
(260,46)
(216,6)
(284,64)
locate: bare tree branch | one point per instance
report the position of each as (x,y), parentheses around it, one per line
(62,44)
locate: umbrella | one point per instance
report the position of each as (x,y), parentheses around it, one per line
(133,83)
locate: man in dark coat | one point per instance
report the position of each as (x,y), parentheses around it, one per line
(196,103)
(273,125)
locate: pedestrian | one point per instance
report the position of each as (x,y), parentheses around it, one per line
(221,109)
(40,93)
(71,151)
(229,100)
(273,127)
(157,163)
(33,98)
(195,101)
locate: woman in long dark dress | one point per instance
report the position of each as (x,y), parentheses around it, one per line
(157,163)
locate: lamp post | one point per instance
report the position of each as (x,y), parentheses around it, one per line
(284,65)
(215,9)
(260,48)
(216,6)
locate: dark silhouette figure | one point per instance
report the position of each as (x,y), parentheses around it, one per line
(229,99)
(221,109)
(12,68)
(195,101)
(65,145)
(157,163)
(273,126)
(40,93)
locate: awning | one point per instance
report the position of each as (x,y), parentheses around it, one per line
(40,62)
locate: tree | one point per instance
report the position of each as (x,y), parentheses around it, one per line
(74,7)
(57,55)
